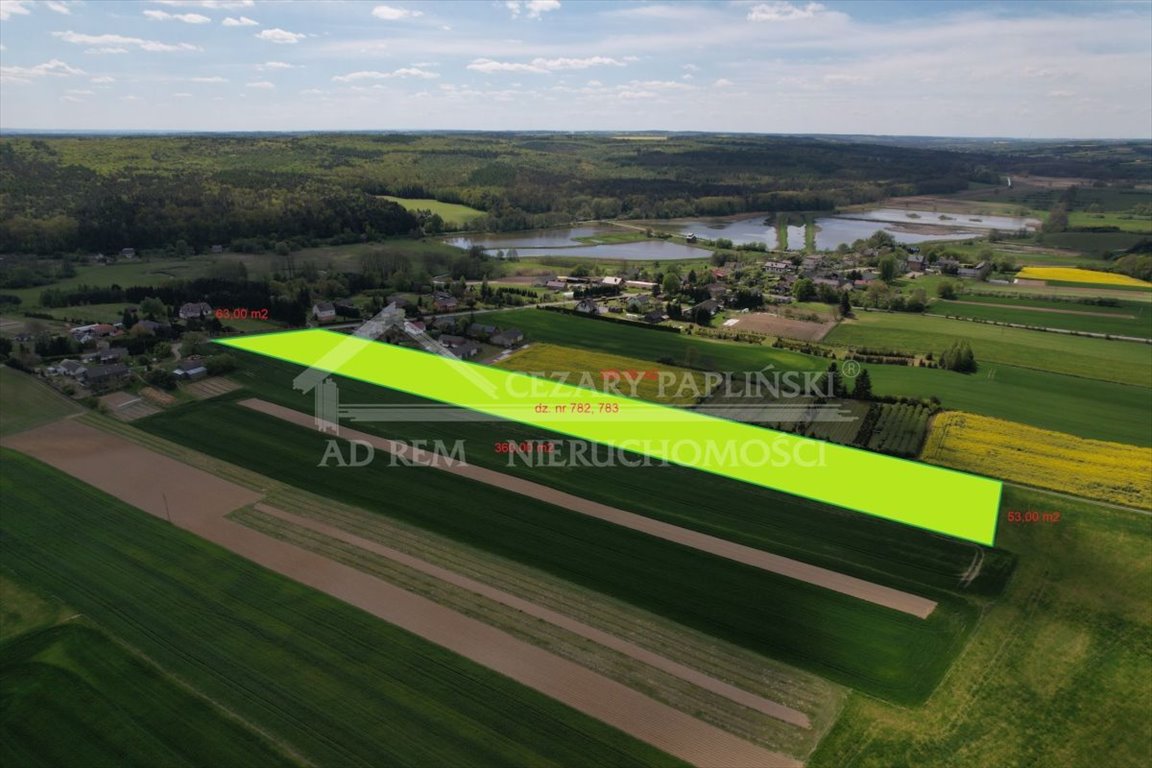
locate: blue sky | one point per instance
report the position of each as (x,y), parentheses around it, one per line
(1024,69)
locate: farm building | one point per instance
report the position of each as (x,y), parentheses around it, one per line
(711,306)
(509,337)
(587,307)
(104,377)
(324,311)
(190,370)
(614,282)
(777,267)
(195,310)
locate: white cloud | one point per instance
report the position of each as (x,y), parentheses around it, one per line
(404,72)
(784,11)
(243,21)
(390,13)
(115,43)
(100,51)
(182,95)
(80,92)
(54,68)
(57,7)
(281,36)
(260,84)
(690,68)
(532,9)
(187,18)
(723,83)
(212,79)
(10,8)
(544,66)
(275,65)
(103,80)
(210,4)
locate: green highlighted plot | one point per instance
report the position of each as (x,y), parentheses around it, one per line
(936,499)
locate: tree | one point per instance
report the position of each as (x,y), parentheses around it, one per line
(917,302)
(888,269)
(701,316)
(845,304)
(194,344)
(959,357)
(862,389)
(946,290)
(154,309)
(804,290)
(692,277)
(671,283)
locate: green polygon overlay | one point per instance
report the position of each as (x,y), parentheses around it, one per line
(942,500)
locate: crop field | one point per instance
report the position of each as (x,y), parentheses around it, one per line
(899,430)
(1123,362)
(321,678)
(621,375)
(1127,222)
(28,403)
(452,213)
(1094,469)
(1135,321)
(72,696)
(859,644)
(870,548)
(647,344)
(124,274)
(1062,291)
(1056,673)
(1073,275)
(1096,243)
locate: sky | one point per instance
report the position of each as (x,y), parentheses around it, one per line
(1013,69)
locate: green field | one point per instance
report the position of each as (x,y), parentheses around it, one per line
(1092,242)
(124,274)
(1057,673)
(454,215)
(326,680)
(1127,222)
(1066,315)
(900,429)
(72,696)
(1100,359)
(26,402)
(887,653)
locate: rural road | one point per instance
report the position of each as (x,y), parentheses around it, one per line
(199,501)
(848,585)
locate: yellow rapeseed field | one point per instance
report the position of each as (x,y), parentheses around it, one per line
(1060,462)
(1074,275)
(614,374)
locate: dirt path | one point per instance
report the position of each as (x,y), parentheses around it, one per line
(1047,309)
(822,577)
(750,700)
(198,501)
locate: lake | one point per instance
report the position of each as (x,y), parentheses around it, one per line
(562,242)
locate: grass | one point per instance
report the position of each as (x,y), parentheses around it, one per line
(453,214)
(72,696)
(884,652)
(623,375)
(1080,276)
(1127,222)
(1055,675)
(1099,410)
(1092,242)
(1115,361)
(124,274)
(1111,472)
(1065,291)
(337,685)
(1066,315)
(29,403)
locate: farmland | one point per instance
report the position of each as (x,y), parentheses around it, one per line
(29,403)
(847,640)
(1116,361)
(625,375)
(1040,458)
(455,215)
(1088,276)
(1132,319)
(1056,672)
(899,430)
(325,680)
(115,708)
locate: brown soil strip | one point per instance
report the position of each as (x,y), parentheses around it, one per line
(1047,309)
(198,501)
(761,322)
(750,700)
(822,577)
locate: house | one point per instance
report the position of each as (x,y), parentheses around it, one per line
(641,300)
(643,285)
(467,349)
(811,263)
(915,263)
(151,326)
(192,369)
(444,324)
(654,316)
(195,310)
(977,272)
(217,249)
(720,273)
(614,282)
(324,311)
(127,253)
(831,282)
(711,306)
(71,368)
(948,266)
(509,337)
(451,341)
(105,356)
(481,331)
(777,267)
(587,307)
(556,285)
(444,302)
(101,377)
